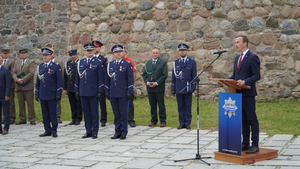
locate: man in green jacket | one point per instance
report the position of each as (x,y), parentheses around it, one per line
(155,75)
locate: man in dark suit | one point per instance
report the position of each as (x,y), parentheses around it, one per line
(155,75)
(23,75)
(102,102)
(48,90)
(89,85)
(69,87)
(10,63)
(184,71)
(5,83)
(119,89)
(246,71)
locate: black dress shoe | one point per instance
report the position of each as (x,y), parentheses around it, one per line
(180,127)
(12,122)
(123,136)
(33,123)
(253,149)
(188,127)
(59,121)
(54,135)
(72,123)
(45,134)
(87,135)
(115,136)
(245,147)
(77,122)
(21,122)
(103,124)
(132,124)
(94,136)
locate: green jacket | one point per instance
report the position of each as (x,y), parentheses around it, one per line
(157,74)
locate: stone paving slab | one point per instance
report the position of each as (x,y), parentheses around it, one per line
(144,147)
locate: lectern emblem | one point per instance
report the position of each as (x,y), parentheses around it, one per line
(229,107)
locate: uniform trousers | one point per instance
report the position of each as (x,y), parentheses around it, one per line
(75,107)
(120,108)
(49,108)
(184,103)
(28,97)
(103,110)
(249,118)
(58,109)
(12,105)
(6,113)
(157,98)
(91,114)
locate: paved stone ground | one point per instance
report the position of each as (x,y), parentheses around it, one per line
(145,147)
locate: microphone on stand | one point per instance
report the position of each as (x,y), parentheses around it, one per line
(221,51)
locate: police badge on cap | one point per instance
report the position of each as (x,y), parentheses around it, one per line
(183,46)
(46,51)
(89,46)
(117,48)
(72,53)
(97,43)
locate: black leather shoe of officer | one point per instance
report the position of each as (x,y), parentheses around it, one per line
(77,122)
(253,149)
(103,124)
(245,147)
(115,136)
(86,135)
(45,134)
(72,123)
(54,135)
(123,137)
(188,127)
(94,136)
(180,127)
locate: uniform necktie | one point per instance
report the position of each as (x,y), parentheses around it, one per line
(23,62)
(117,63)
(4,61)
(182,60)
(154,62)
(240,60)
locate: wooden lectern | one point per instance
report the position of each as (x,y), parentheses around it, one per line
(263,154)
(232,84)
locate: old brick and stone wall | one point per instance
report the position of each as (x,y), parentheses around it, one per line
(206,26)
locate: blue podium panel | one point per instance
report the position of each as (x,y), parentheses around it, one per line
(230,123)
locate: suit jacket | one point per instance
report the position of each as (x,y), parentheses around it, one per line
(120,79)
(89,77)
(183,74)
(10,65)
(49,81)
(157,74)
(249,72)
(29,69)
(5,82)
(70,75)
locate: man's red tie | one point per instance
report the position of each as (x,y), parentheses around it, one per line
(240,60)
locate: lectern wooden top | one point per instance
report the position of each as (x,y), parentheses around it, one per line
(232,84)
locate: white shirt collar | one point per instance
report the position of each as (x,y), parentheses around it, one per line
(184,58)
(24,60)
(53,60)
(155,60)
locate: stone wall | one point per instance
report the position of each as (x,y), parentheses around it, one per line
(206,26)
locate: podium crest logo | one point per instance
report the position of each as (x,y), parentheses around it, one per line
(229,107)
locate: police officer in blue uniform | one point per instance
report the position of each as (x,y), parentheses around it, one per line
(119,89)
(184,71)
(48,90)
(69,87)
(102,102)
(89,85)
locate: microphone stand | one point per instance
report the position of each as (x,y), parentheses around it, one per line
(198,156)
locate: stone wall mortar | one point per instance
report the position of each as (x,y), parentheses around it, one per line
(272,27)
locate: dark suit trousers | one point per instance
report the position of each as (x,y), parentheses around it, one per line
(12,105)
(49,109)
(157,98)
(103,110)
(6,113)
(249,118)
(184,103)
(90,108)
(75,107)
(120,107)
(58,109)
(28,96)
(131,111)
